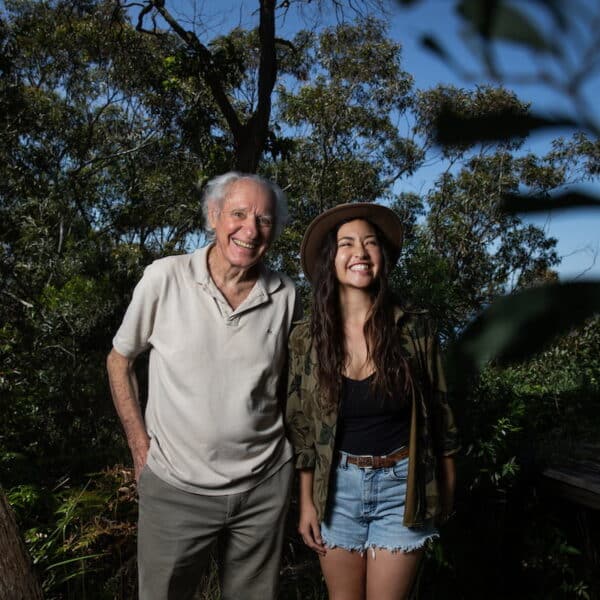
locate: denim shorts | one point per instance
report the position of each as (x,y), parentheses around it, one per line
(366,508)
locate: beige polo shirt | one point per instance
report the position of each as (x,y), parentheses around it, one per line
(213,414)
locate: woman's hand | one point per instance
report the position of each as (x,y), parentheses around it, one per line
(308,526)
(309,529)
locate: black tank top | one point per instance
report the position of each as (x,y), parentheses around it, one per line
(370,423)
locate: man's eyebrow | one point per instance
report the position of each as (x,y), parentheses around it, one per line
(268,213)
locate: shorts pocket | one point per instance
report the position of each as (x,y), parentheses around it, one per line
(399,472)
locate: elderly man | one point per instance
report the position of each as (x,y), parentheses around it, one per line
(210,457)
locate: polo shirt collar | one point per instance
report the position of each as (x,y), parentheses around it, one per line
(267,283)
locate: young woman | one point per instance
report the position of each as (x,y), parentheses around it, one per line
(367,412)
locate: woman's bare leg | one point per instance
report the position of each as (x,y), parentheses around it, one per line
(390,575)
(345,574)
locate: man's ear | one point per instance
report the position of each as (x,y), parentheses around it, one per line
(213,215)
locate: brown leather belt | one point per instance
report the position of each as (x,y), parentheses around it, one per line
(376,462)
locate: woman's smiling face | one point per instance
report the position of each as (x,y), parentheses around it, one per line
(358,259)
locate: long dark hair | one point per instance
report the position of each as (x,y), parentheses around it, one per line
(392,372)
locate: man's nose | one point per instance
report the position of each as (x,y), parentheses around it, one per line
(251,225)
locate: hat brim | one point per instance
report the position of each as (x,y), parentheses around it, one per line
(384,218)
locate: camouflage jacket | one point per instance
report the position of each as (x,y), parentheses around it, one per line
(432,430)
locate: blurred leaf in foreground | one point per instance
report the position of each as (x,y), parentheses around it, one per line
(517,326)
(521,203)
(500,126)
(503,22)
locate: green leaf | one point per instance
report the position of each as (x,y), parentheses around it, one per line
(452,128)
(517,326)
(557,10)
(497,20)
(74,560)
(571,550)
(519,203)
(431,44)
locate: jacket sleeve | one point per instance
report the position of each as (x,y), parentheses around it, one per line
(444,434)
(300,425)
(444,428)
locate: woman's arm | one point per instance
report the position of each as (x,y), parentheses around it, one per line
(308,525)
(301,430)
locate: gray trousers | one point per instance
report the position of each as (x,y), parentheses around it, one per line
(176,531)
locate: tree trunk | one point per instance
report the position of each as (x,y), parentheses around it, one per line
(17,580)
(249,136)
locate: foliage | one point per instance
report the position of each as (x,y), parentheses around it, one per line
(480,250)
(539,410)
(89,149)
(489,24)
(510,532)
(343,139)
(82,534)
(519,325)
(555,564)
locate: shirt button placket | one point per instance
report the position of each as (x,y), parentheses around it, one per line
(233,321)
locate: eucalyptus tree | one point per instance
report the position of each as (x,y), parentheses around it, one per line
(559,44)
(91,162)
(355,128)
(17,579)
(477,250)
(241,84)
(343,125)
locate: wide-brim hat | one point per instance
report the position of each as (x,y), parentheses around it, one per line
(384,218)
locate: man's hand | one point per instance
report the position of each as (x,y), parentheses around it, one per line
(139,454)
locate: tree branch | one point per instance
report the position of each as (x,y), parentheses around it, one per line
(208,74)
(20,300)
(257,127)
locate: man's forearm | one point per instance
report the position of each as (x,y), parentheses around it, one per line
(124,389)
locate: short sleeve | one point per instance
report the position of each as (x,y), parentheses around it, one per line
(132,337)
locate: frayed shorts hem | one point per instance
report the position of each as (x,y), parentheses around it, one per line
(407,548)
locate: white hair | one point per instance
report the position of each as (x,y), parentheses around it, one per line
(216,190)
